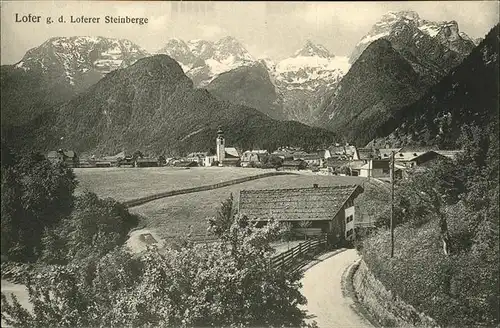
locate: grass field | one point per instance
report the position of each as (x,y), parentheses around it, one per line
(129,183)
(179,215)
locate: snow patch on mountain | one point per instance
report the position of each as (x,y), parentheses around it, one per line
(371,38)
(73,57)
(430,29)
(204,60)
(444,31)
(311,68)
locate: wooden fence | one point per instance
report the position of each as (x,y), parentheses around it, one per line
(295,258)
(143,200)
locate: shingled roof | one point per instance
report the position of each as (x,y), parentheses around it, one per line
(311,204)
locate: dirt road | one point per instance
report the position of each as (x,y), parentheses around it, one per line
(21,293)
(323,289)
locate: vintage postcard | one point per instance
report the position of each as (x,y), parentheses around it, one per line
(249,164)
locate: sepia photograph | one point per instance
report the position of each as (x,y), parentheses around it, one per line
(296,164)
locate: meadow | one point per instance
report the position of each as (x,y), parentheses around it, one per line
(187,214)
(130,183)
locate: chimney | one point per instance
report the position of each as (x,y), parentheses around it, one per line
(315,185)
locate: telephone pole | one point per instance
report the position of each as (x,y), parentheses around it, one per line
(392,204)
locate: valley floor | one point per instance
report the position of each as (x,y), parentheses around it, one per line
(183,214)
(125,184)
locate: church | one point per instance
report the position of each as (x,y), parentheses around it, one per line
(226,156)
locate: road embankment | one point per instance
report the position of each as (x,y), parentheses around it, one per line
(382,305)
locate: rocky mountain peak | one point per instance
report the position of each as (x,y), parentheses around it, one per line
(84,50)
(180,51)
(80,61)
(157,70)
(201,48)
(268,62)
(408,15)
(449,31)
(230,49)
(433,47)
(311,49)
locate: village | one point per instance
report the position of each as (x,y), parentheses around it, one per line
(343,160)
(322,206)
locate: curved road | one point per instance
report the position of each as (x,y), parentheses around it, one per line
(322,287)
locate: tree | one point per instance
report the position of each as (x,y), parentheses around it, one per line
(421,200)
(137,154)
(221,222)
(288,232)
(270,161)
(162,160)
(345,170)
(36,195)
(305,225)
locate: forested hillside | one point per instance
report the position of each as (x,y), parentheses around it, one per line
(446,259)
(468,94)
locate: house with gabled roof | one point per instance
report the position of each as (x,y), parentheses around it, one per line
(198,157)
(232,157)
(68,157)
(365,154)
(253,157)
(337,150)
(352,152)
(310,159)
(412,159)
(386,153)
(380,168)
(330,210)
(451,154)
(293,165)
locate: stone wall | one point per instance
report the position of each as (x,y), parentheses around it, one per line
(385,307)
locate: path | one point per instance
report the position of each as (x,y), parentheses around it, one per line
(323,289)
(19,291)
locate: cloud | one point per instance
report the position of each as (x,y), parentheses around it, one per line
(158,22)
(212,31)
(321,14)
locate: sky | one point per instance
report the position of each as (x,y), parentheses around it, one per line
(267,29)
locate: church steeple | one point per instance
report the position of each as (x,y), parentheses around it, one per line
(220,146)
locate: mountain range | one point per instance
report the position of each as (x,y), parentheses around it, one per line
(203,60)
(468,95)
(57,70)
(153,106)
(393,66)
(433,48)
(304,77)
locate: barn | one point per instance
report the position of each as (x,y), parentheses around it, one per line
(309,211)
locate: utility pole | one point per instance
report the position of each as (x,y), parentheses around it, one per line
(392,204)
(369,164)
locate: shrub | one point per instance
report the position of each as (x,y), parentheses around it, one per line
(94,228)
(224,284)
